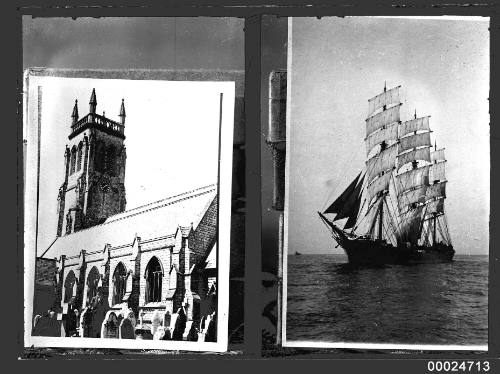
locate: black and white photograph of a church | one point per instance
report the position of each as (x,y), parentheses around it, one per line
(109,271)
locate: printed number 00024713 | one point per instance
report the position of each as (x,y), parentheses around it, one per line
(458,366)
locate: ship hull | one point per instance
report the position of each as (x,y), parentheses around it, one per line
(368,252)
(376,253)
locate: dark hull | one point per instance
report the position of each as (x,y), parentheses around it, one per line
(369,252)
(375,253)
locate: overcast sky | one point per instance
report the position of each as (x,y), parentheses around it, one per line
(337,64)
(171,131)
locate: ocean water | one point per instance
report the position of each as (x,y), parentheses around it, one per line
(421,304)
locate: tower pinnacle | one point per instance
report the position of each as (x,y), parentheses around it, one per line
(122,112)
(74,115)
(93,102)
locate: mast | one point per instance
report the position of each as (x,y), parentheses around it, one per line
(381,215)
(434,229)
(381,135)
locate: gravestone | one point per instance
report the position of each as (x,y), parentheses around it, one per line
(127,329)
(109,328)
(211,334)
(190,332)
(155,322)
(159,334)
(167,317)
(180,325)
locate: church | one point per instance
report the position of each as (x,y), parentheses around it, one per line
(144,273)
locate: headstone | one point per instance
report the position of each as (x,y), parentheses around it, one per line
(127,330)
(159,334)
(190,332)
(180,325)
(211,334)
(109,328)
(166,319)
(155,322)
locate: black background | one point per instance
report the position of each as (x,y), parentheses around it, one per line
(344,361)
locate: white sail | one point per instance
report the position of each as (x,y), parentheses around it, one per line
(414,155)
(437,155)
(435,206)
(383,161)
(413,178)
(382,119)
(413,125)
(413,141)
(378,185)
(388,133)
(437,172)
(416,195)
(436,190)
(409,230)
(384,99)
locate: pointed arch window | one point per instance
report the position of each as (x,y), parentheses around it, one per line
(92,283)
(73,160)
(69,285)
(154,275)
(79,157)
(119,283)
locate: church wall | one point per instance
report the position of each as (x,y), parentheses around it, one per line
(88,268)
(163,255)
(115,259)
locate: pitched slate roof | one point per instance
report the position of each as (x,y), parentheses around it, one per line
(154,220)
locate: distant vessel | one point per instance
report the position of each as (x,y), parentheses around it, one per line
(297,253)
(395,206)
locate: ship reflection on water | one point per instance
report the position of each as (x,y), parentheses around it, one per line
(330,300)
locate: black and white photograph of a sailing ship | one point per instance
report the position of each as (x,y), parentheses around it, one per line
(387,191)
(397,202)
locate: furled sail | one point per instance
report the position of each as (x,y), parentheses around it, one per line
(414,155)
(416,195)
(382,119)
(413,178)
(378,185)
(435,206)
(413,141)
(436,190)
(384,99)
(413,125)
(389,133)
(437,155)
(437,172)
(347,204)
(383,161)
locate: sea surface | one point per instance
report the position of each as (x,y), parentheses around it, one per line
(330,301)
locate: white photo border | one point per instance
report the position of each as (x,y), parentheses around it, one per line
(33,80)
(325,344)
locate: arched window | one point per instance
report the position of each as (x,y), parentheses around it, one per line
(100,154)
(154,277)
(119,283)
(69,285)
(92,282)
(111,160)
(73,160)
(80,156)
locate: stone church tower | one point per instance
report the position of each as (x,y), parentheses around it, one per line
(94,161)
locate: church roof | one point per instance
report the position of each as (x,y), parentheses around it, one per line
(154,220)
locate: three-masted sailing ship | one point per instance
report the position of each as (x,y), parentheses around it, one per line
(393,211)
